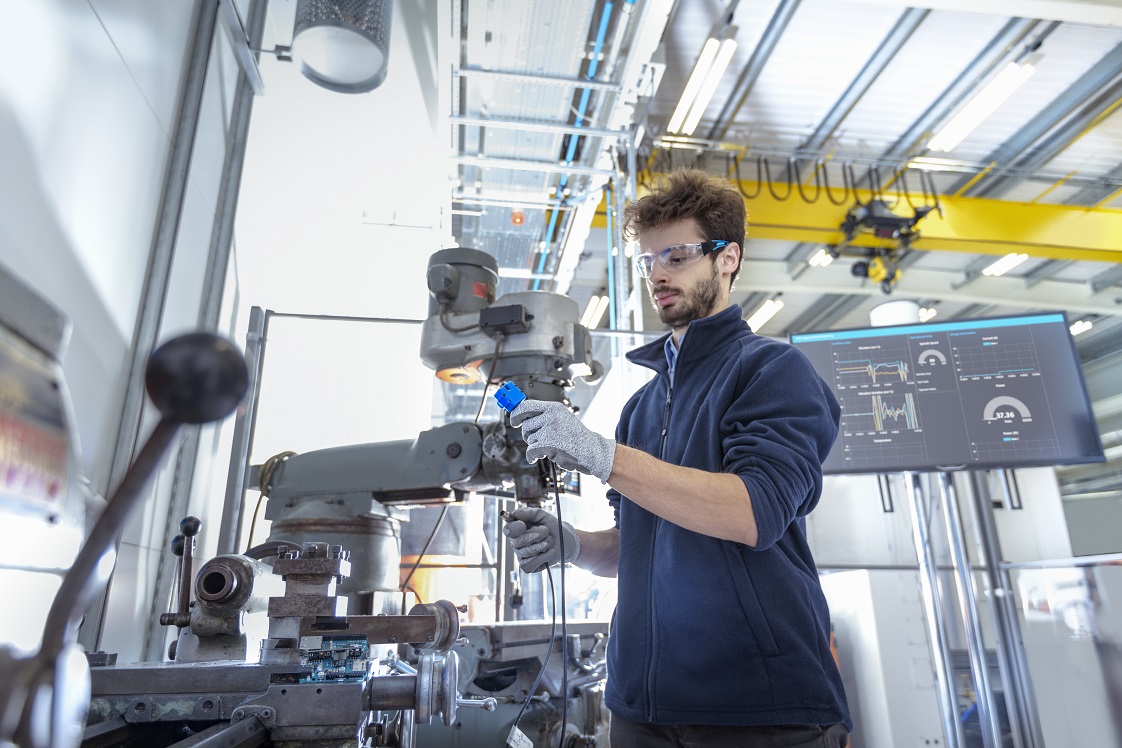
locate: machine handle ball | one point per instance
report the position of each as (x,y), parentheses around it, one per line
(196,378)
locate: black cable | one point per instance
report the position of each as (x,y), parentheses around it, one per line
(564,624)
(759,179)
(445,325)
(771,187)
(265,481)
(435,528)
(799,184)
(548,652)
(490,376)
(853,181)
(253,522)
(826,185)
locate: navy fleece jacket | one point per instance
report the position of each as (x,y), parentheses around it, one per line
(709,631)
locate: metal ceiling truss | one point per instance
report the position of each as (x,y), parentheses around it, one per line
(1099,194)
(893,42)
(920,283)
(1072,113)
(751,72)
(959,224)
(1010,38)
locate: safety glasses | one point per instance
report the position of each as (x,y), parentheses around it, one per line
(677,257)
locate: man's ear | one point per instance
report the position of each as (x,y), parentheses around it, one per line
(730,258)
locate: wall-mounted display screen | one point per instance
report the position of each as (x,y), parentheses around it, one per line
(1001,392)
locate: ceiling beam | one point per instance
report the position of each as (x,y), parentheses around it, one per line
(972,225)
(1095,12)
(1106,279)
(751,72)
(1045,270)
(841,307)
(770,276)
(1011,37)
(892,43)
(808,318)
(1096,194)
(1080,107)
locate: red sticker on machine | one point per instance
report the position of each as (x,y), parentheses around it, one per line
(34,450)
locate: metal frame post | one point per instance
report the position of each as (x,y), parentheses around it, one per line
(1019,694)
(158,274)
(933,610)
(968,602)
(244,427)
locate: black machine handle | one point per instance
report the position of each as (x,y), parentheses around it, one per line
(192,379)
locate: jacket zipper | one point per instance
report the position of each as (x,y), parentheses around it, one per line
(650,583)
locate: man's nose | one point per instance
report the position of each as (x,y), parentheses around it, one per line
(659,274)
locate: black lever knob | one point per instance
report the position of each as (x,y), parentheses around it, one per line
(190,526)
(196,378)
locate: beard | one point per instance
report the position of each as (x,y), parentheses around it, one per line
(696,303)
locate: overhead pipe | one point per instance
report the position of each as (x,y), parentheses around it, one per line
(582,108)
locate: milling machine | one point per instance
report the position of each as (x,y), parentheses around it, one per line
(296,642)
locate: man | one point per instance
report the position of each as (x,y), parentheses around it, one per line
(721,632)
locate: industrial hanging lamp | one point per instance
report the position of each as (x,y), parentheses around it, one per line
(343,45)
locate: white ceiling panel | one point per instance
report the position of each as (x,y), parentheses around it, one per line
(1096,153)
(824,48)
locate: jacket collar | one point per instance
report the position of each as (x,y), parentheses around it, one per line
(705,336)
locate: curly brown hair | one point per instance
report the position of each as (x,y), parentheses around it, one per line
(715,205)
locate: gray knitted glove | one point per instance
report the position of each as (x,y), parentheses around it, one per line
(534,536)
(553,432)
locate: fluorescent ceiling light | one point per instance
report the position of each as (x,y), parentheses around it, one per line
(761,316)
(984,103)
(927,312)
(927,163)
(1080,326)
(821,259)
(598,315)
(594,312)
(711,64)
(1005,264)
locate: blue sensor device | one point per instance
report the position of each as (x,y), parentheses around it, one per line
(509,396)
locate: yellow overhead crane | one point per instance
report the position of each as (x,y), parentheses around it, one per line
(962,224)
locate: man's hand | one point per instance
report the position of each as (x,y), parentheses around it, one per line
(535,535)
(553,432)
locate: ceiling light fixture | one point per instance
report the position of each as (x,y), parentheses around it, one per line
(1004,265)
(343,45)
(594,312)
(761,316)
(927,312)
(711,64)
(821,259)
(984,103)
(1080,326)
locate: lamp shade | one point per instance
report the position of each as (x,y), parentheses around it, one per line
(343,45)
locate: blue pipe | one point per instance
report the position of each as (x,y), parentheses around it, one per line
(601,34)
(612,314)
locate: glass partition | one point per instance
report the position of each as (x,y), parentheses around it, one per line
(1071,619)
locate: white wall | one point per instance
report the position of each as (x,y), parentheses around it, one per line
(89,92)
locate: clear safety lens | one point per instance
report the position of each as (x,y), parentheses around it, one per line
(676,257)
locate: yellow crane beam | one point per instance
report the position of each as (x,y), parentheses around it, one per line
(967,224)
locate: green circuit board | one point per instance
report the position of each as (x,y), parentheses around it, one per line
(333,658)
